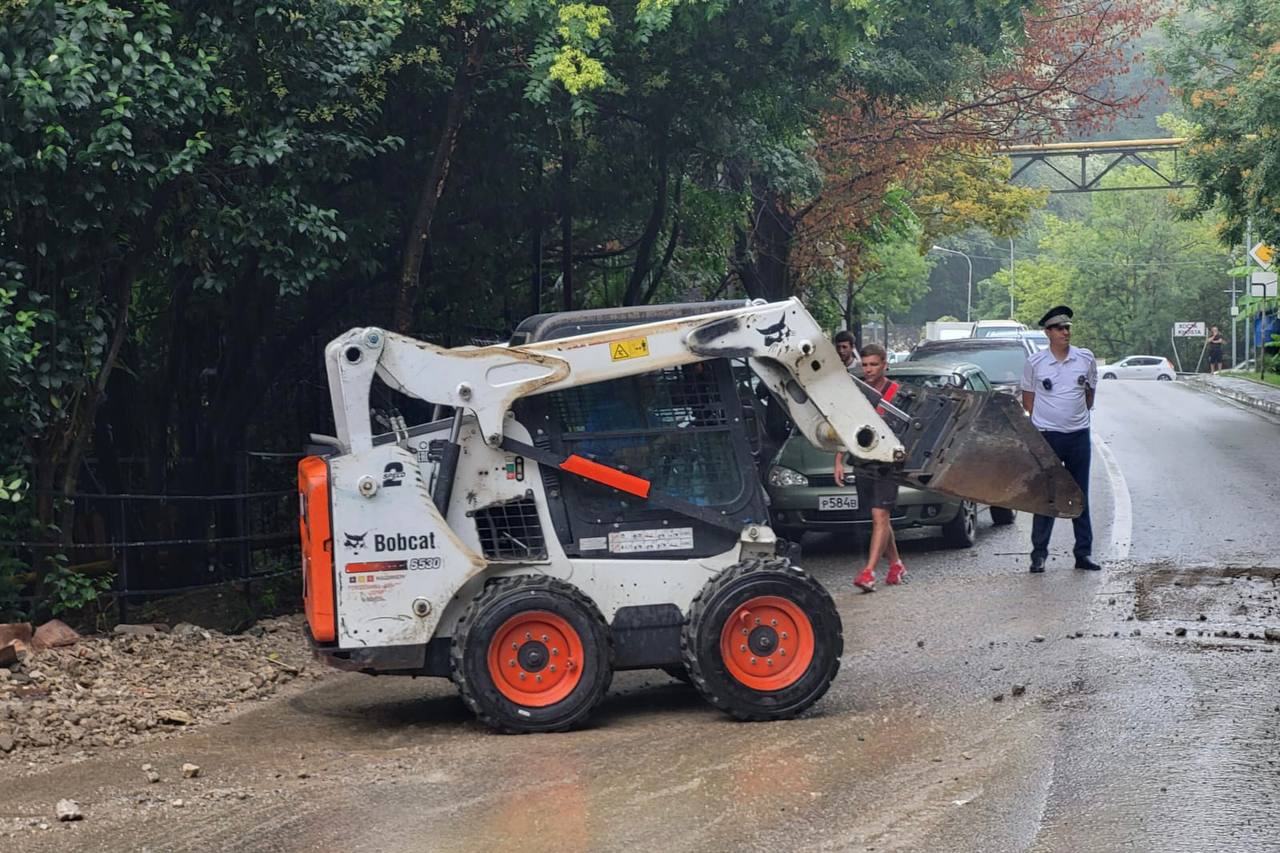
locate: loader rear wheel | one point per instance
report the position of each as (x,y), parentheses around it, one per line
(763,640)
(531,654)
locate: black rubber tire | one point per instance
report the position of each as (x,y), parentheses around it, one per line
(678,672)
(1001,516)
(1108,376)
(717,602)
(502,599)
(1163,378)
(962,531)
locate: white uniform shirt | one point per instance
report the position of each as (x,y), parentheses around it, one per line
(1059,387)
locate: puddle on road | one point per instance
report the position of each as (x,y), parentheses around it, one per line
(1213,598)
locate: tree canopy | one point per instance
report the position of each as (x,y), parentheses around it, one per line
(1224,67)
(198,196)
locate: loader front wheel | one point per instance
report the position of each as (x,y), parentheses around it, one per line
(531,654)
(763,640)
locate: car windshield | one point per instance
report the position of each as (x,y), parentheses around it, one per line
(996,332)
(1001,364)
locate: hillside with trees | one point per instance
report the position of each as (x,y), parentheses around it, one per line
(198,197)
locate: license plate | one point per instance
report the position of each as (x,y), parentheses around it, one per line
(828,503)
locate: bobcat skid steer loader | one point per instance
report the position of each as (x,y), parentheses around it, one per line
(592,505)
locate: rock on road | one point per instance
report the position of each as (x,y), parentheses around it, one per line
(1148,721)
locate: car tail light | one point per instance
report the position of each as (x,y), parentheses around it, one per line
(317,548)
(1168,364)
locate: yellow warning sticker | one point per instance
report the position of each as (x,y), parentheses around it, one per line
(631,348)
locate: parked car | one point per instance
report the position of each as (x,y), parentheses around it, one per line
(1033,337)
(1038,337)
(997,328)
(803,495)
(1001,359)
(1140,367)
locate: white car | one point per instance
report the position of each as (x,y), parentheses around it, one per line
(1139,367)
(1036,337)
(996,328)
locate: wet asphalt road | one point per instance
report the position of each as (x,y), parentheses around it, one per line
(1127,737)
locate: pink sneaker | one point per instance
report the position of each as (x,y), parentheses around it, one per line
(866,581)
(896,571)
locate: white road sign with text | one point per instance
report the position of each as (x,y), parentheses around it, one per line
(1188,330)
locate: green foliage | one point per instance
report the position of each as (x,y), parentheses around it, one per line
(68,591)
(955,193)
(1038,283)
(197,196)
(1223,66)
(1131,266)
(894,276)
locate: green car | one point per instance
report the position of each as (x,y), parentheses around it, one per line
(803,495)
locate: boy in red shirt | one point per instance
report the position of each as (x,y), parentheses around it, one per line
(879,495)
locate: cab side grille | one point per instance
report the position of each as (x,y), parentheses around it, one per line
(511,530)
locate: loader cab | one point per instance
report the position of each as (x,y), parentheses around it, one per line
(683,428)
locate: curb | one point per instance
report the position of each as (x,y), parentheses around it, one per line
(1239,397)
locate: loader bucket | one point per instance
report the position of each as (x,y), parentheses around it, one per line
(981,447)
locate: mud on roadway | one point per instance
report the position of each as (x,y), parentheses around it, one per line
(957,723)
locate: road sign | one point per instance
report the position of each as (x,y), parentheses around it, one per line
(1188,330)
(1263,253)
(1263,289)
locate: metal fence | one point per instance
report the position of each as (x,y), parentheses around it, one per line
(162,544)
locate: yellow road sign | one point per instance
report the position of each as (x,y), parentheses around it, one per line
(630,348)
(1263,253)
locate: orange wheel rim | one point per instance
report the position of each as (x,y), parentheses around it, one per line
(535,658)
(767,643)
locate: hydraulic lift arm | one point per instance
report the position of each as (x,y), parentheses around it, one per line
(935,446)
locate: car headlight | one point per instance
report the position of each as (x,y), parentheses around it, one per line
(781,476)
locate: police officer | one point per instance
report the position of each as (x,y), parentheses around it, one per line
(1058,385)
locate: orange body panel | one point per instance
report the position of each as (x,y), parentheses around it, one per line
(317,549)
(619,480)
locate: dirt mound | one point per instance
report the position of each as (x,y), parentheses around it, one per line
(142,682)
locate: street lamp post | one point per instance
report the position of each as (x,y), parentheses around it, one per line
(968,298)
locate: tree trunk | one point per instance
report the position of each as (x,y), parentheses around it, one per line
(429,193)
(764,257)
(535,284)
(566,219)
(643,266)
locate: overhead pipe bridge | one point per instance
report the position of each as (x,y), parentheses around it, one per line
(1113,153)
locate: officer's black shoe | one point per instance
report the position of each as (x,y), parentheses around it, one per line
(1087,564)
(1037,565)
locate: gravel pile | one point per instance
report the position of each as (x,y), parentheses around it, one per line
(141,682)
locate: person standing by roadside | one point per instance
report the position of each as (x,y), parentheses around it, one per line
(1058,385)
(1215,349)
(846,348)
(880,495)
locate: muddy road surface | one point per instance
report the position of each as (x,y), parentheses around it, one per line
(979,707)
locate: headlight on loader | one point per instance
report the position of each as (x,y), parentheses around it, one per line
(782,476)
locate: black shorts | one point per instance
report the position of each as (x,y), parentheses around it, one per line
(876,493)
(1215,355)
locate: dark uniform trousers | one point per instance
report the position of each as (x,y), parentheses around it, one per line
(1073,449)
